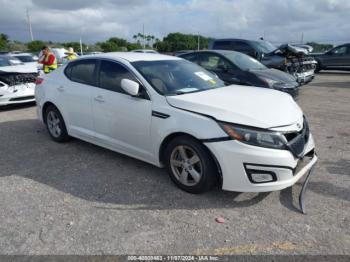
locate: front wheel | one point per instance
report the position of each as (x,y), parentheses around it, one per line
(190,165)
(318,67)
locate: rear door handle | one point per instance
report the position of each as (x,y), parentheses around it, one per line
(60,88)
(99,99)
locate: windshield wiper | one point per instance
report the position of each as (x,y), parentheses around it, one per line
(179,92)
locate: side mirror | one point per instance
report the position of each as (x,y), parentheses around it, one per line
(130,87)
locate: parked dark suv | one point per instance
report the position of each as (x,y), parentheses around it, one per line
(288,58)
(337,58)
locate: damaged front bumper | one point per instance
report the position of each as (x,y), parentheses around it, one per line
(16,88)
(17,94)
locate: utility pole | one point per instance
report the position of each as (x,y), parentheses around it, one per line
(198,42)
(302,38)
(81,47)
(143,36)
(30,26)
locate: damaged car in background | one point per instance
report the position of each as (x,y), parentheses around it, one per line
(292,59)
(17,81)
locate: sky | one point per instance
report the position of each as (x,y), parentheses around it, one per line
(280,21)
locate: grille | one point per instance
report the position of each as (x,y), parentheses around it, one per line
(22,98)
(298,140)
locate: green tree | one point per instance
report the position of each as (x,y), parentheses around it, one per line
(133,46)
(109,46)
(35,46)
(75,45)
(4,41)
(178,41)
(17,46)
(114,44)
(320,47)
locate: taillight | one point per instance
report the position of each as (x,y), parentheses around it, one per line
(39,81)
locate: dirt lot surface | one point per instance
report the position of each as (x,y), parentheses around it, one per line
(76,198)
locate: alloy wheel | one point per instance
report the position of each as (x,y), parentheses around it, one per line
(53,123)
(186,165)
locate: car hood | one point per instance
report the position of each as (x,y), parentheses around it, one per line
(19,69)
(288,48)
(274,74)
(251,106)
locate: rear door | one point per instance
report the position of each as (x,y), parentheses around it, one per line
(75,97)
(121,122)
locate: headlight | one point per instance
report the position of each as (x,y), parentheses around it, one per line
(255,137)
(273,83)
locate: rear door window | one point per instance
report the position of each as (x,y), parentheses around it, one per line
(191,57)
(82,71)
(213,62)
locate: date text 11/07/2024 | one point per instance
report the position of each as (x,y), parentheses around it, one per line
(173,258)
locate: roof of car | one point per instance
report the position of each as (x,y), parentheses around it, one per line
(133,56)
(218,51)
(20,54)
(234,39)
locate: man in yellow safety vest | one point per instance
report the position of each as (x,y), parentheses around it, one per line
(48,60)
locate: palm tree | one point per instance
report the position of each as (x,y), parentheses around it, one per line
(148,38)
(157,41)
(152,38)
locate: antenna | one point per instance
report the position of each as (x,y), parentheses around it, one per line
(30,25)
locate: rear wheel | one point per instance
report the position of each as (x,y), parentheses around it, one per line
(55,125)
(190,165)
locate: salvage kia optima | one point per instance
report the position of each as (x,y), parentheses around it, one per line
(170,112)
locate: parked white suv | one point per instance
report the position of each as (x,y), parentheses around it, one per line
(170,112)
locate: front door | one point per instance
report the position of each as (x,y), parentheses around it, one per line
(121,121)
(339,57)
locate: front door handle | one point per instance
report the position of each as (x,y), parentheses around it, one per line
(60,88)
(99,99)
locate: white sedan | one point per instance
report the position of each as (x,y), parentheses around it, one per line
(17,81)
(170,112)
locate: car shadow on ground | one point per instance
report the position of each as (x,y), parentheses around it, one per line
(335,72)
(332,84)
(95,174)
(16,106)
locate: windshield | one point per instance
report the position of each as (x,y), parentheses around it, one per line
(9,61)
(25,58)
(244,62)
(176,77)
(264,46)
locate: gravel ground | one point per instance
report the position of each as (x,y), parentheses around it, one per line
(76,198)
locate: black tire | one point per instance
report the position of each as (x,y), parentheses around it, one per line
(318,67)
(61,136)
(209,172)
